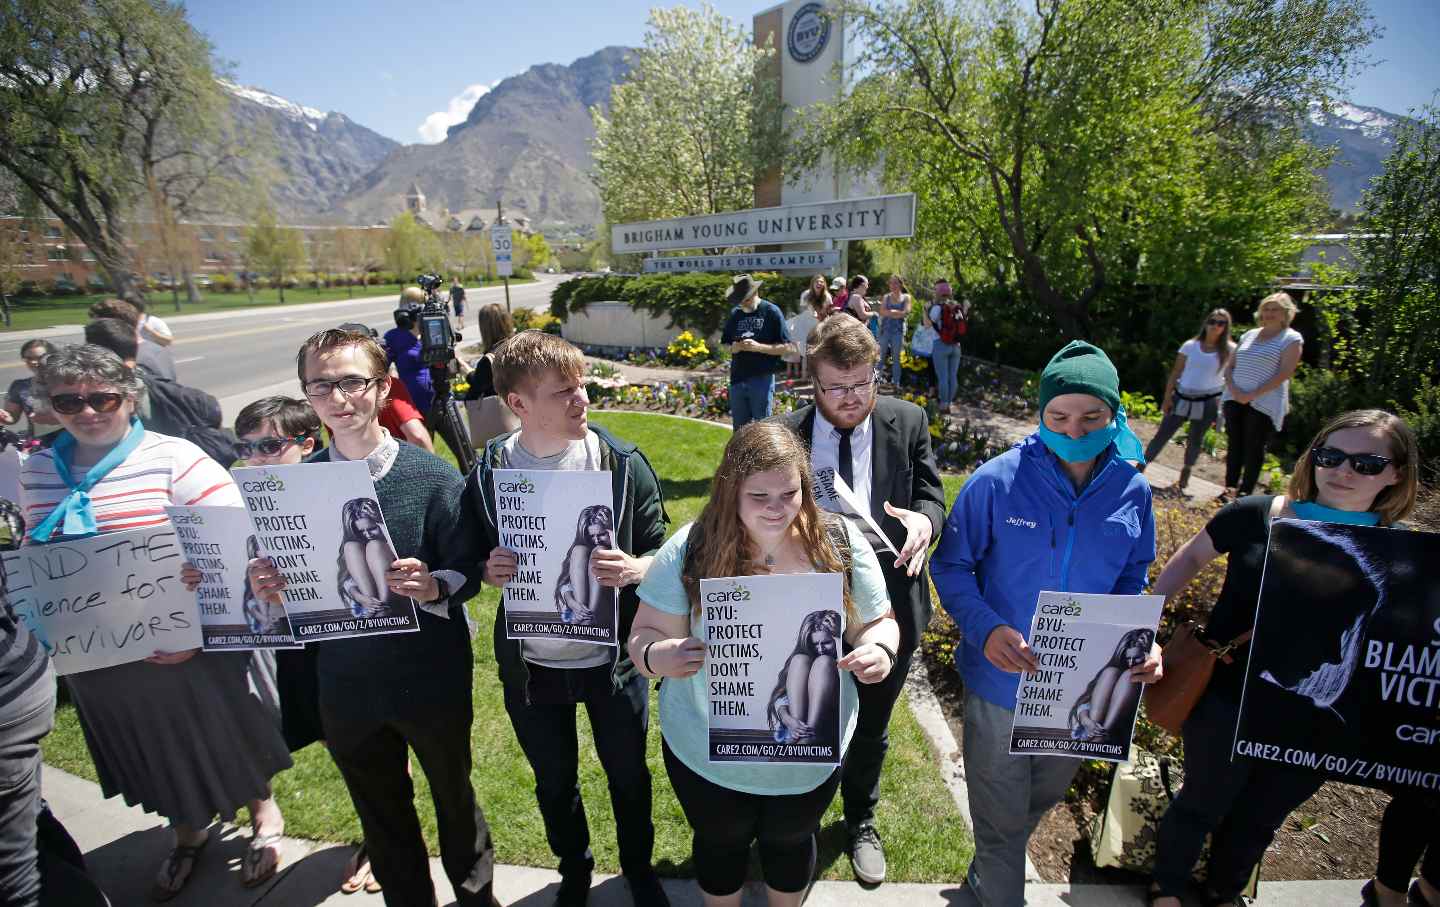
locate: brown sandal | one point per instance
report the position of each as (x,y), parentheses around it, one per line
(181,855)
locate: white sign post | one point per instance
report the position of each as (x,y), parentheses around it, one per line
(878,217)
(554,520)
(500,242)
(1081,702)
(104,601)
(771,643)
(322,526)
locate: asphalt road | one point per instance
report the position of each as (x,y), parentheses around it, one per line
(241,355)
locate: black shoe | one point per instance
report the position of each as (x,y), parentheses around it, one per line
(574,890)
(647,891)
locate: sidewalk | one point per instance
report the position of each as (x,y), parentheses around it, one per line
(124,846)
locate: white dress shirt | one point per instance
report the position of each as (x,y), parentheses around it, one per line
(825,461)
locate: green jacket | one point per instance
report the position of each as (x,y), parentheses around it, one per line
(639,531)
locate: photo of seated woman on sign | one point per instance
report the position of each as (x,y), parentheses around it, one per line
(1105,712)
(365,556)
(263,618)
(804,704)
(579,597)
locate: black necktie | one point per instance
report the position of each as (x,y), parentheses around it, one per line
(847,469)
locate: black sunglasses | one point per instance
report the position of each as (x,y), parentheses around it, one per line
(1363,464)
(266,447)
(71,404)
(1212,322)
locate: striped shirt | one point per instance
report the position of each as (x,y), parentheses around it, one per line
(162,470)
(1256,362)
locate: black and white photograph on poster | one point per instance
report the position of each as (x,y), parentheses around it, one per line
(771,644)
(219,542)
(1081,701)
(1355,694)
(555,521)
(323,527)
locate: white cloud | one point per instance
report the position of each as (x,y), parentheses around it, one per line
(435,125)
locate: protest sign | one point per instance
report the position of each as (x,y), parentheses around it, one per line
(770,648)
(554,520)
(103,601)
(1081,702)
(219,542)
(322,526)
(832,493)
(1344,670)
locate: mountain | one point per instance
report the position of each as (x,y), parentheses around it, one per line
(1363,137)
(317,155)
(527,140)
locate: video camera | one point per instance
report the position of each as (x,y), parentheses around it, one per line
(437,337)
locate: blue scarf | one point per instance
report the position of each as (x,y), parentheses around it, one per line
(74,509)
(1313,510)
(1090,446)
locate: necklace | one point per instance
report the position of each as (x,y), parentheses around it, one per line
(769,560)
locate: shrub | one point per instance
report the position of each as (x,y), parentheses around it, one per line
(534,320)
(687,350)
(223,283)
(695,302)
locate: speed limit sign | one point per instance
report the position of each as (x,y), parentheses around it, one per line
(501,243)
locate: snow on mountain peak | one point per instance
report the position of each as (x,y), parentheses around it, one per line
(307,115)
(1371,122)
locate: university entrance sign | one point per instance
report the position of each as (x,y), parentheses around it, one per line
(817,260)
(878,217)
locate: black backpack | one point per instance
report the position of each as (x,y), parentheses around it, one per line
(189,413)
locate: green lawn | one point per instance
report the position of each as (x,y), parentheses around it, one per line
(926,840)
(36,313)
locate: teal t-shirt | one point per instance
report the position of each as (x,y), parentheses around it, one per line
(683,700)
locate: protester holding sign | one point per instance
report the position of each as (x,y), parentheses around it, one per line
(541,377)
(187,735)
(880,447)
(761,519)
(381,694)
(1061,511)
(1362,468)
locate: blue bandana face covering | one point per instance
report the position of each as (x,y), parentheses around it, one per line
(1090,446)
(1313,510)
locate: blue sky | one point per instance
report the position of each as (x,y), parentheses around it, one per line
(399,66)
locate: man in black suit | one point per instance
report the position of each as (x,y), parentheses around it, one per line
(879,448)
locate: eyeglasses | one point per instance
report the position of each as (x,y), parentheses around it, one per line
(841,391)
(350,385)
(266,447)
(1217,322)
(72,404)
(1363,464)
(34,360)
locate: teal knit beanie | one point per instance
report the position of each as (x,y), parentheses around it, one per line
(1080,368)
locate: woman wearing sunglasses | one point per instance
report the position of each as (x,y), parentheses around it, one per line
(1193,392)
(188,735)
(1362,468)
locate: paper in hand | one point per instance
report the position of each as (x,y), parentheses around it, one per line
(847,495)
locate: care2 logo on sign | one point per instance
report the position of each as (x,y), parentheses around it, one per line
(736,593)
(519,485)
(809,33)
(1127,516)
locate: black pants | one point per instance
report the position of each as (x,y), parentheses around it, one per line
(1242,802)
(1248,432)
(545,727)
(24,721)
(860,773)
(371,755)
(1409,829)
(725,821)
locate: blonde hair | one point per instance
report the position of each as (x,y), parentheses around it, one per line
(722,547)
(1282,299)
(528,356)
(1395,502)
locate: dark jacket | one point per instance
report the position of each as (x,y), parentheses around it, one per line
(903,472)
(639,531)
(174,409)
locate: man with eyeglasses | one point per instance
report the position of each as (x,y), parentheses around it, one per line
(880,447)
(381,695)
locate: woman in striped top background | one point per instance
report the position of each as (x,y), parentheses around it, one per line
(1257,391)
(188,735)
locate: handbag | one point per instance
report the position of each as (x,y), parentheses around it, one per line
(1124,834)
(1189,660)
(923,341)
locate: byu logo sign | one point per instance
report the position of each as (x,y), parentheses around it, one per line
(808,34)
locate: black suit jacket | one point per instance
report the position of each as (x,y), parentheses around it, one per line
(903,472)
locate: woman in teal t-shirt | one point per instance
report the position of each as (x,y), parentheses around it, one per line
(760,519)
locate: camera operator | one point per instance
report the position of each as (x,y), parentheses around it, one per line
(402,348)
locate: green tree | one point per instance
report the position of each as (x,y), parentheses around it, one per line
(274,249)
(102,100)
(1068,146)
(692,125)
(409,246)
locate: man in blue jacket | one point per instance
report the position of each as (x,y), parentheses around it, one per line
(1061,511)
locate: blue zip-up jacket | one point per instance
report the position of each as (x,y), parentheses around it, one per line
(1019,527)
